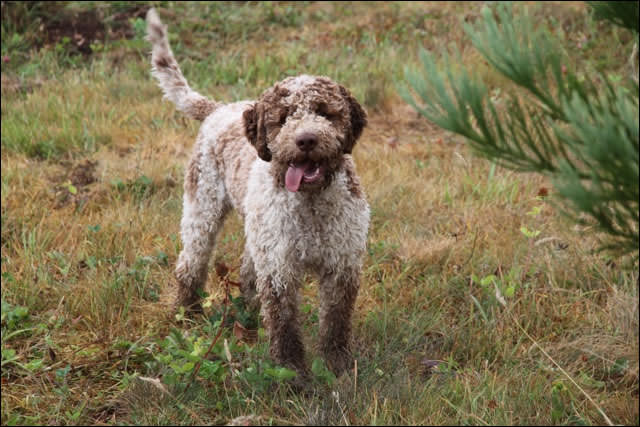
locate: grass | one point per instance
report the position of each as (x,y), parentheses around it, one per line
(480,303)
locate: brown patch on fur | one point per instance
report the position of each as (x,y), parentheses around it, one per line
(234,157)
(250,118)
(353,182)
(261,134)
(358,119)
(200,109)
(192,176)
(264,120)
(155,29)
(282,91)
(163,62)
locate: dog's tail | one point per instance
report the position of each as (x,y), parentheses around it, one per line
(166,70)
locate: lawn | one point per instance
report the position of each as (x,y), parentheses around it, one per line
(480,302)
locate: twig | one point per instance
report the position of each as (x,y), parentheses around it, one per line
(355,377)
(607,420)
(197,368)
(473,249)
(226,300)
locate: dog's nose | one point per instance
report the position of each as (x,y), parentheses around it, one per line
(306,141)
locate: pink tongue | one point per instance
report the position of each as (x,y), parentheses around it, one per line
(293,177)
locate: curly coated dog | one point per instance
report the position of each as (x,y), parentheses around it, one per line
(284,163)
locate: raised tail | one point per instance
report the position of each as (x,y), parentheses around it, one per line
(170,79)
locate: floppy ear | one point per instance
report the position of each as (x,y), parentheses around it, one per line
(256,131)
(358,120)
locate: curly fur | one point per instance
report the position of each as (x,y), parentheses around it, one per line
(284,163)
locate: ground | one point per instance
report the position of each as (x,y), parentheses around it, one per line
(480,303)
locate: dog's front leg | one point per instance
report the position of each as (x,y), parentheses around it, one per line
(337,294)
(279,309)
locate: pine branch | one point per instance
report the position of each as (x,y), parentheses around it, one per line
(583,136)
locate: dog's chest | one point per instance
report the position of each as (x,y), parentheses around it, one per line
(317,233)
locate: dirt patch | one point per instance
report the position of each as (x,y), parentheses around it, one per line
(82,174)
(73,186)
(74,31)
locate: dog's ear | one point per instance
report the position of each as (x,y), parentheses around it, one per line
(256,131)
(358,120)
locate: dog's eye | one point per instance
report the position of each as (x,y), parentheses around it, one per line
(323,111)
(283,118)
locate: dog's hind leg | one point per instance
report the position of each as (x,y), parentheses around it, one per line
(204,209)
(248,280)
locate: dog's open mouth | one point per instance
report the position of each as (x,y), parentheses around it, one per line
(306,171)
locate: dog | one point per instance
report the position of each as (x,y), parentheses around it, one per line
(284,163)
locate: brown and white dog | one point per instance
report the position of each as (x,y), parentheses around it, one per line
(284,163)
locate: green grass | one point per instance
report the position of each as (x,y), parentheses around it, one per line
(479,303)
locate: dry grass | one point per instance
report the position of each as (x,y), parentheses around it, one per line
(89,250)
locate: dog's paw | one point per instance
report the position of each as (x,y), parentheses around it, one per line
(188,309)
(338,360)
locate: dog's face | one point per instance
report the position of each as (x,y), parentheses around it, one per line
(304,125)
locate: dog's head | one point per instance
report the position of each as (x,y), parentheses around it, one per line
(304,126)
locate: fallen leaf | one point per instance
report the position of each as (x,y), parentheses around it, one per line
(543,192)
(222,270)
(247,335)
